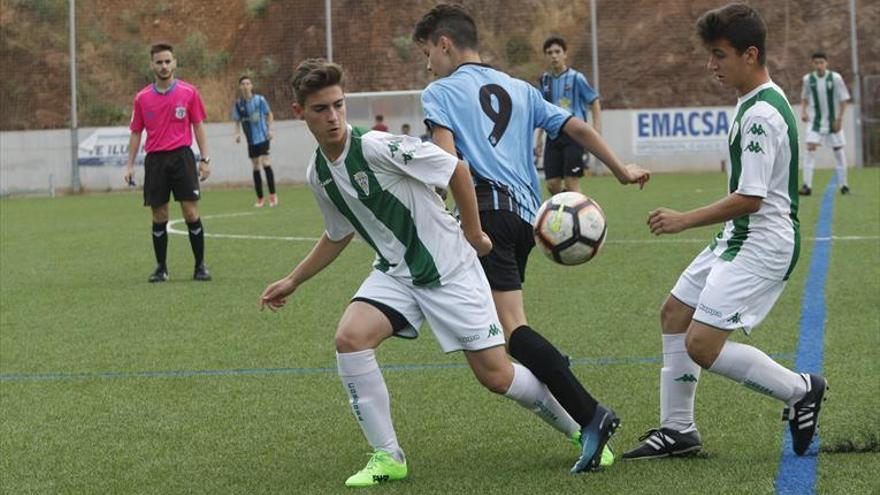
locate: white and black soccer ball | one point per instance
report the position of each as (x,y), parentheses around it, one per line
(570,228)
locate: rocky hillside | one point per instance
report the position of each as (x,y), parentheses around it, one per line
(648,55)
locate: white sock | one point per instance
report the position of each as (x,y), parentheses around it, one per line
(533,395)
(749,366)
(840,158)
(678,384)
(369,399)
(809,165)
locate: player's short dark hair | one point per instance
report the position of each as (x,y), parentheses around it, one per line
(555,40)
(313,75)
(380,118)
(452,21)
(819,55)
(737,23)
(242,78)
(161,47)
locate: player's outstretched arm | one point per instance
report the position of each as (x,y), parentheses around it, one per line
(668,221)
(324,252)
(462,187)
(587,137)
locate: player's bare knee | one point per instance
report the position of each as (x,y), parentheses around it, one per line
(700,350)
(497,381)
(674,318)
(349,341)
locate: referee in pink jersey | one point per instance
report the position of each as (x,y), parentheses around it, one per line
(170,110)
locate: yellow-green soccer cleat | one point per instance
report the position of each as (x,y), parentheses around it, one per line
(607,454)
(381,467)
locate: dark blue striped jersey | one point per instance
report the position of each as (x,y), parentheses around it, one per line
(569,90)
(252,115)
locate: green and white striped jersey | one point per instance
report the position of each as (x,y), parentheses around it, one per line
(763,152)
(824,95)
(382,187)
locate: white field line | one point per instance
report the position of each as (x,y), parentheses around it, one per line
(665,240)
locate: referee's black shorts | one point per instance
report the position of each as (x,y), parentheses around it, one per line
(512,241)
(563,157)
(170,171)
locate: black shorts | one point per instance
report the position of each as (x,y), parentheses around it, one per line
(259,149)
(563,157)
(512,241)
(170,171)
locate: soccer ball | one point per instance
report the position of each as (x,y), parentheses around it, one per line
(570,228)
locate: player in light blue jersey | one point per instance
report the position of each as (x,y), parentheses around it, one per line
(251,114)
(488,118)
(565,87)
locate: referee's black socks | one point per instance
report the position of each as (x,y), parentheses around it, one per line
(197,240)
(546,362)
(160,242)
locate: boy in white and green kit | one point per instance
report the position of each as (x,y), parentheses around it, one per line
(823,101)
(381,187)
(735,281)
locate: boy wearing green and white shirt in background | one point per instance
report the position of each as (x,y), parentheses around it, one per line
(823,101)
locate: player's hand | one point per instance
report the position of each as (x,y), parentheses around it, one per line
(275,295)
(635,174)
(805,117)
(666,221)
(271,134)
(237,139)
(480,242)
(129,176)
(835,126)
(204,171)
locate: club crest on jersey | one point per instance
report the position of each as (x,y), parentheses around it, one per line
(734,131)
(361,179)
(180,112)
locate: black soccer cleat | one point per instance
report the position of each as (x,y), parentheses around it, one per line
(665,442)
(844,190)
(159,275)
(803,417)
(805,190)
(594,436)
(202,274)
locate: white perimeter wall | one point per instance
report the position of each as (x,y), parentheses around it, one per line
(29,158)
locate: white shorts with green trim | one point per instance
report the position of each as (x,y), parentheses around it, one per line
(725,295)
(461,312)
(834,139)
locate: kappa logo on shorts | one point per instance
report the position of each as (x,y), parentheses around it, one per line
(180,112)
(494,330)
(706,309)
(736,319)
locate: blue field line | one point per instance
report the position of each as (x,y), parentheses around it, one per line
(59,376)
(797,474)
